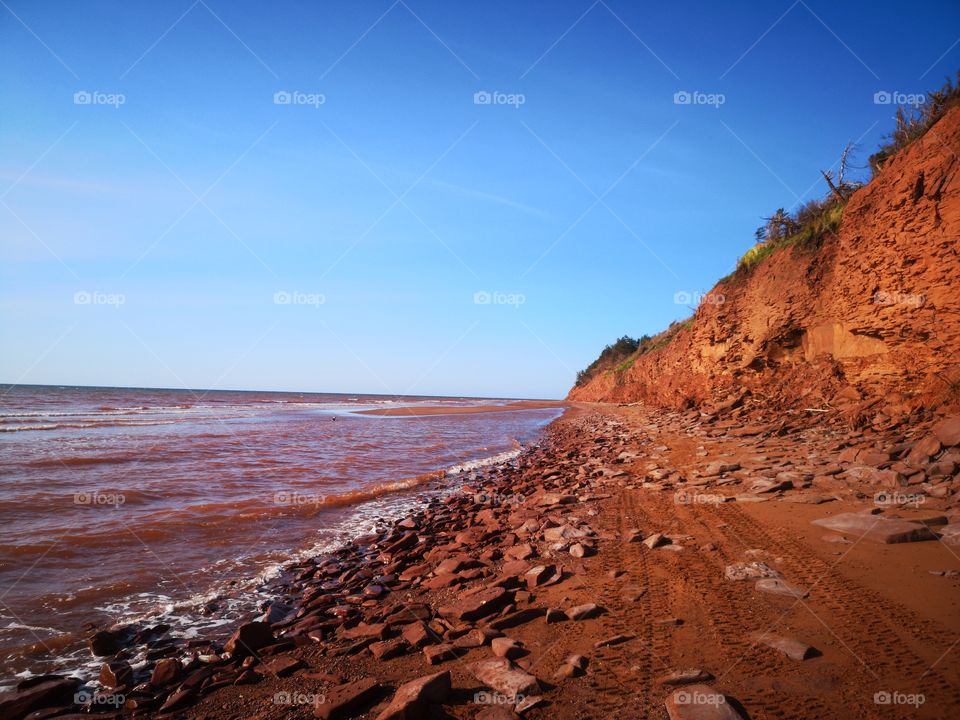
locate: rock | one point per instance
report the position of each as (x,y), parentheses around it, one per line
(950,534)
(529,702)
(411,699)
(517,618)
(539,575)
(877,528)
(165,672)
(699,702)
(578,550)
(563,532)
(41,692)
(116,673)
(506,648)
(436,654)
(686,676)
(284,665)
(923,450)
(770,486)
(416,635)
(344,701)
(776,586)
(615,640)
(179,700)
(475,638)
(793,649)
(584,612)
(363,631)
(520,552)
(554,615)
(573,666)
(248,639)
(719,468)
(387,649)
(655,540)
(486,602)
(505,677)
(947,431)
(750,571)
(104,643)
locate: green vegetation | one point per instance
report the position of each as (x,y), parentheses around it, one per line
(621,355)
(806,228)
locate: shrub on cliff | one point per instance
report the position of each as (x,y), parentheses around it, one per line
(912,124)
(611,356)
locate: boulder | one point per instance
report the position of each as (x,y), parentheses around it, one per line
(877,528)
(699,702)
(248,639)
(40,692)
(477,606)
(752,570)
(793,649)
(116,673)
(947,431)
(165,672)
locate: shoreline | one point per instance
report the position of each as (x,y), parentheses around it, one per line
(578,576)
(414,411)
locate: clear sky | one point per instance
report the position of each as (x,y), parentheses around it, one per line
(167,220)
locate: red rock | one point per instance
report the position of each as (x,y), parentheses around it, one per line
(347,700)
(947,431)
(539,575)
(486,602)
(497,712)
(248,639)
(615,640)
(363,631)
(686,676)
(699,702)
(876,528)
(584,612)
(505,677)
(475,638)
(417,635)
(42,692)
(388,649)
(411,699)
(165,672)
(116,673)
(283,666)
(436,654)
(793,649)
(516,618)
(506,648)
(104,643)
(178,700)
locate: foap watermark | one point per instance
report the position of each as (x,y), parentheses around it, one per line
(692,299)
(495,297)
(96,498)
(494,698)
(695,697)
(499,499)
(684,97)
(296,97)
(295,297)
(895,97)
(685,497)
(895,697)
(86,97)
(298,698)
(95,297)
(85,697)
(285,497)
(883,297)
(892,497)
(485,97)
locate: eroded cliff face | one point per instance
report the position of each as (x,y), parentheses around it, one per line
(874,312)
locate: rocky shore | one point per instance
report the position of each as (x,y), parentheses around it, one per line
(638,563)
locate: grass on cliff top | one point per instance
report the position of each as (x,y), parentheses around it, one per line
(621,355)
(819,221)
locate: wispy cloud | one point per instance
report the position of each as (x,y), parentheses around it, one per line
(487,196)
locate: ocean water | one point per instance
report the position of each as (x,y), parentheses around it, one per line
(131,504)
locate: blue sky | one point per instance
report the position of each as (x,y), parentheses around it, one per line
(167,220)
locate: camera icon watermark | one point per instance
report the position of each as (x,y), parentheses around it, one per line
(485,697)
(95,97)
(295,97)
(895,697)
(693,299)
(295,297)
(685,497)
(95,297)
(95,498)
(895,97)
(85,697)
(298,698)
(485,97)
(285,497)
(495,297)
(696,697)
(886,498)
(684,97)
(499,499)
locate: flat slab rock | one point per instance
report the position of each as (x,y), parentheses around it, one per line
(877,528)
(699,702)
(776,586)
(505,677)
(793,649)
(411,698)
(346,700)
(753,570)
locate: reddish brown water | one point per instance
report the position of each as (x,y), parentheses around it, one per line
(118,504)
